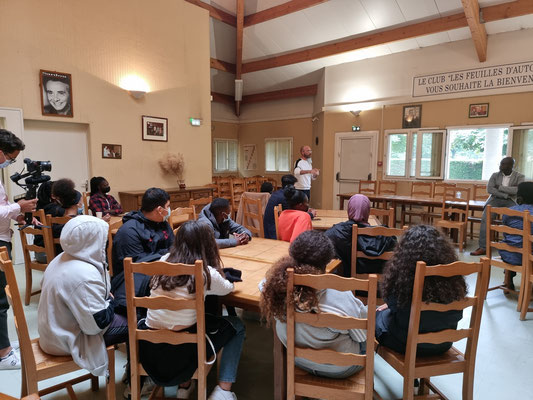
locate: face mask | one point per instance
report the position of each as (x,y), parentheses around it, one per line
(166,217)
(80,210)
(5,164)
(106,189)
(226,219)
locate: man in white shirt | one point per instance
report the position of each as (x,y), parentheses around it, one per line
(304,171)
(10,147)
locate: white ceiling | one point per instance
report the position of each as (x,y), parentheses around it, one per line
(329,21)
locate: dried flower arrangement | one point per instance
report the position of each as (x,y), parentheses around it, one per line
(173,164)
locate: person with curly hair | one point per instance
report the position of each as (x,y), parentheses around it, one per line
(101,200)
(296,219)
(419,243)
(309,254)
(170,365)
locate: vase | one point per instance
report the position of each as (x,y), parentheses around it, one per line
(182,184)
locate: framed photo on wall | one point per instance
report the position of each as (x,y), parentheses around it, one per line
(478,110)
(56,93)
(111,151)
(412,116)
(155,128)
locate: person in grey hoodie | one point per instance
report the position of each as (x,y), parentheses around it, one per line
(217,216)
(76,311)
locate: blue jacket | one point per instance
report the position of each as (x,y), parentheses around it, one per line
(223,230)
(514,240)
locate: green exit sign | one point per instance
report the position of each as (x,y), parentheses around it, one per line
(356,128)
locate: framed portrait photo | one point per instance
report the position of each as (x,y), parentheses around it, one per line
(412,116)
(478,110)
(56,94)
(155,128)
(112,151)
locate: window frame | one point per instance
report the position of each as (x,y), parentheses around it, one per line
(215,155)
(277,139)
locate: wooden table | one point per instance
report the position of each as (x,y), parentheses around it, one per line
(325,219)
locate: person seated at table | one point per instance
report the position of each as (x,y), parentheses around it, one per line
(341,237)
(309,254)
(524,198)
(266,187)
(295,220)
(171,365)
(146,234)
(419,243)
(76,310)
(217,216)
(101,201)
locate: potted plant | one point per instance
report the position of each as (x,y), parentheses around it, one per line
(174,164)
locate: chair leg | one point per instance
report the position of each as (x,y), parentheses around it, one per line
(94,383)
(110,384)
(408,388)
(423,389)
(28,286)
(526,299)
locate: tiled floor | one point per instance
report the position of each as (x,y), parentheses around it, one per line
(503,369)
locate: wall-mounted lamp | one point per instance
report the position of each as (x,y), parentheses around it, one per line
(356,113)
(238,89)
(135,86)
(137,93)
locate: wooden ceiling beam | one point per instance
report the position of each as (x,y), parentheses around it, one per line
(215,13)
(279,11)
(477,29)
(441,24)
(301,91)
(223,66)
(223,98)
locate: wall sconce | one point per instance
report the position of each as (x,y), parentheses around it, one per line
(356,113)
(135,86)
(137,94)
(238,89)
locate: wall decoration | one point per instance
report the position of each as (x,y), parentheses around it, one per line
(155,128)
(111,151)
(478,110)
(250,157)
(412,116)
(56,94)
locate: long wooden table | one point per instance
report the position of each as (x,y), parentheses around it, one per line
(325,219)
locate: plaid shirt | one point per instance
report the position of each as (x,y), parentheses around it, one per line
(105,204)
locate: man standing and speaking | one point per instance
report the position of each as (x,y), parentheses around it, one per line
(304,171)
(10,147)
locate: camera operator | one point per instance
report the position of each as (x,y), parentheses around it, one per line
(10,147)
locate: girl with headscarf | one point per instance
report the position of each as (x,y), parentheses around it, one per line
(341,236)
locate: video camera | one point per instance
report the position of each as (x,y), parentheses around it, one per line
(32,179)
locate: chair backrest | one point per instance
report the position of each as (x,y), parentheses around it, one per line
(273,181)
(180,215)
(198,204)
(86,196)
(371,231)
(252,184)
(388,214)
(13,295)
(213,186)
(480,192)
(367,187)
(421,189)
(238,187)
(48,247)
(476,302)
(165,303)
(224,188)
(50,221)
(387,187)
(440,189)
(253,216)
(329,320)
(455,204)
(113,228)
(277,211)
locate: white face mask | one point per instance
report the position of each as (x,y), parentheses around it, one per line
(166,217)
(5,164)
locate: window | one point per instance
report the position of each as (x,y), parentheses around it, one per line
(278,154)
(523,150)
(226,155)
(414,154)
(474,153)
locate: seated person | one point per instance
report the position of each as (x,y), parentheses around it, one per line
(100,200)
(217,215)
(295,220)
(146,234)
(341,237)
(76,310)
(525,202)
(419,243)
(266,187)
(277,197)
(309,254)
(170,365)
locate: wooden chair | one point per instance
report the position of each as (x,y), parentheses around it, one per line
(300,383)
(418,190)
(38,365)
(439,192)
(480,193)
(253,221)
(50,221)
(367,187)
(180,215)
(86,196)
(224,188)
(527,279)
(277,211)
(453,361)
(213,186)
(496,261)
(387,187)
(252,184)
(169,303)
(113,229)
(29,263)
(274,182)
(238,187)
(384,215)
(455,210)
(198,204)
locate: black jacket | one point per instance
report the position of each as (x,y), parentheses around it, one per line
(341,236)
(140,239)
(269,224)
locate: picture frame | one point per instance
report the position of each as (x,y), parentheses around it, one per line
(56,94)
(412,116)
(112,151)
(154,128)
(479,110)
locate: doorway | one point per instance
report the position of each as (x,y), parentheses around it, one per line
(356,155)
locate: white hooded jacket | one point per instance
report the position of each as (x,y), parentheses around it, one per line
(75,308)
